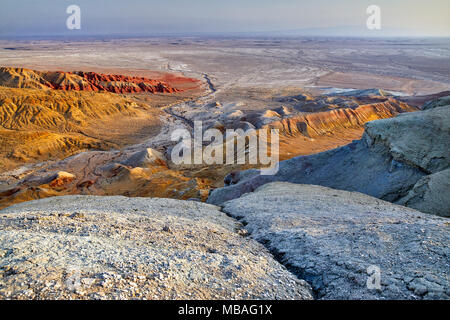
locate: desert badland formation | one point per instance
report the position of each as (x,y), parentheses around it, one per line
(363,179)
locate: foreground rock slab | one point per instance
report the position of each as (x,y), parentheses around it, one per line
(88,247)
(338,241)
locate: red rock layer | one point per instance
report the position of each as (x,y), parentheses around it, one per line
(92,81)
(81,81)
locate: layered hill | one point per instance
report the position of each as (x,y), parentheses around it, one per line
(307,124)
(40,125)
(80,81)
(313,132)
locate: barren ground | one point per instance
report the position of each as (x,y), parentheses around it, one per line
(239,76)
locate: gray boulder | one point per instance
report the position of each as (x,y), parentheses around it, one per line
(88,247)
(439,102)
(430,194)
(343,242)
(418,139)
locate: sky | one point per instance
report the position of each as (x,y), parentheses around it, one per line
(291,17)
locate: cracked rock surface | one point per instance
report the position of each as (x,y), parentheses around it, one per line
(334,239)
(88,247)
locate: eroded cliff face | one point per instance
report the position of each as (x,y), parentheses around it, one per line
(326,122)
(80,81)
(314,132)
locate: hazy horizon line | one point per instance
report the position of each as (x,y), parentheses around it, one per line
(292,33)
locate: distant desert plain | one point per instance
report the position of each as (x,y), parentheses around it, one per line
(77,138)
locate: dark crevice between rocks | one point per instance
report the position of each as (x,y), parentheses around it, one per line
(315,281)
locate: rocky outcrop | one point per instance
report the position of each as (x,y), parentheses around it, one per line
(23,109)
(439,102)
(343,242)
(430,194)
(86,247)
(146,158)
(420,140)
(80,81)
(393,155)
